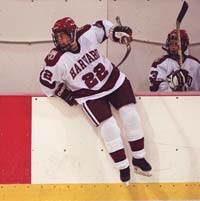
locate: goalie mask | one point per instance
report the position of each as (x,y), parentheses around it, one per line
(171,45)
(64,26)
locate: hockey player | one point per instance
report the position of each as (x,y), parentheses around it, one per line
(166,74)
(78,73)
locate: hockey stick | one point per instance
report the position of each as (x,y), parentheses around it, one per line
(178,24)
(128,46)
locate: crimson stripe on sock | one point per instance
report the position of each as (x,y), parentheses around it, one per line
(118,156)
(137,145)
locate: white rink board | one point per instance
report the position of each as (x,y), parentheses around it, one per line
(66,147)
(33,20)
(57,127)
(171,125)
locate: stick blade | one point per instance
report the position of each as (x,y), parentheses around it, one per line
(182,12)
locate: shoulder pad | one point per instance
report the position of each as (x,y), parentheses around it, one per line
(159,60)
(53,57)
(194,58)
(99,24)
(82,30)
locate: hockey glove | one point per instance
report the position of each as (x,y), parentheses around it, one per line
(65,94)
(178,79)
(121,34)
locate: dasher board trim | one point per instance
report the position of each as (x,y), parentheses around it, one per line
(97,192)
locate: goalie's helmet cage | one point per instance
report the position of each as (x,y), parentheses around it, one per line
(68,26)
(173,36)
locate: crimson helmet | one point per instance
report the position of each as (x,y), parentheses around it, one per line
(68,26)
(172,36)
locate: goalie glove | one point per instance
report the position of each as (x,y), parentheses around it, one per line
(177,80)
(65,94)
(121,34)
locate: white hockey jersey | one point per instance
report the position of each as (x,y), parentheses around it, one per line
(87,73)
(165,65)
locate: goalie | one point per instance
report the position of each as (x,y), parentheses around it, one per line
(76,72)
(166,75)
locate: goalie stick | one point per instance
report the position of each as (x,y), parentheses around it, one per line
(128,46)
(178,24)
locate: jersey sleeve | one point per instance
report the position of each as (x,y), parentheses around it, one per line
(158,77)
(193,66)
(102,29)
(48,84)
(198,78)
(51,75)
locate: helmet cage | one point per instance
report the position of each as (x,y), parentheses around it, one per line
(172,36)
(67,47)
(68,26)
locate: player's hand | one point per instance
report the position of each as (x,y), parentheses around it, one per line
(177,80)
(122,34)
(65,94)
